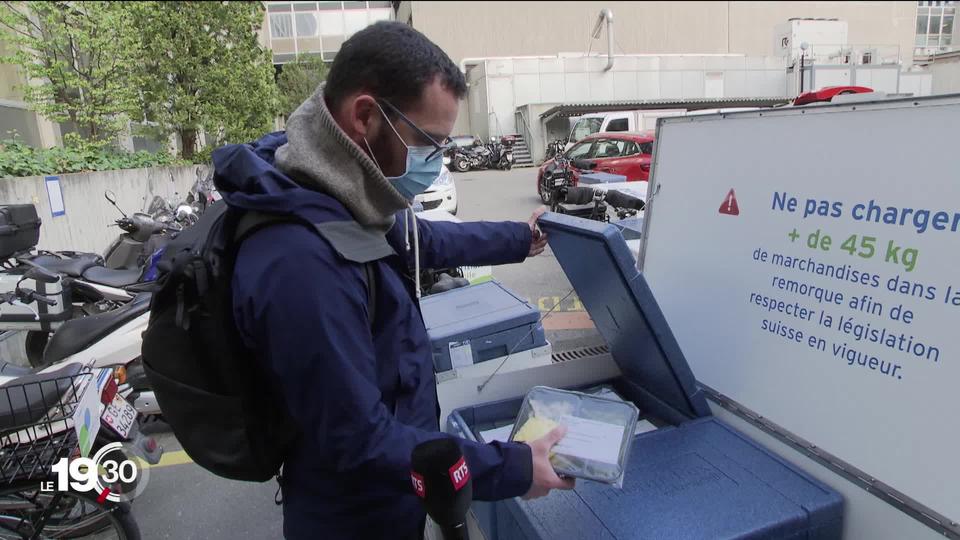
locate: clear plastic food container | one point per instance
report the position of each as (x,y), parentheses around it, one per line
(599,431)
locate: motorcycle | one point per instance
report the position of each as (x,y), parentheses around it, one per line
(563,172)
(471,158)
(593,204)
(493,155)
(555,148)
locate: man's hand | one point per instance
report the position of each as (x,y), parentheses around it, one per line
(538,240)
(544,477)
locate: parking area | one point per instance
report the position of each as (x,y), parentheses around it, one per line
(183,501)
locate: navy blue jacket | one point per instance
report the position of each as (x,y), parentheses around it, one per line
(364,395)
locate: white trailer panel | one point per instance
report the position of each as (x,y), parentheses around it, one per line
(814,334)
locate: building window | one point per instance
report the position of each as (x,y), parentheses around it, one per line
(935,23)
(307,25)
(281,25)
(299,27)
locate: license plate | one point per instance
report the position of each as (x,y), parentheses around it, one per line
(559,181)
(120,416)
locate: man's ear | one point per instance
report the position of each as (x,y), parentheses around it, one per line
(359,117)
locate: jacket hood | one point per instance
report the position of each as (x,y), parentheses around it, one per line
(246,177)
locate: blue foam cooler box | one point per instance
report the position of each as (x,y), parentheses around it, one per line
(481,322)
(693,477)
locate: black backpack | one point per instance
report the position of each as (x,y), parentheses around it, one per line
(217,397)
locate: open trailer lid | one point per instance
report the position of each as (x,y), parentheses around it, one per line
(599,265)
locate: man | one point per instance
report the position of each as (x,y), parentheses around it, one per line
(355,368)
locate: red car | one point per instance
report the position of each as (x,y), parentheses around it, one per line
(624,152)
(828,93)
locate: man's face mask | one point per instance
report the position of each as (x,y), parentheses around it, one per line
(423,163)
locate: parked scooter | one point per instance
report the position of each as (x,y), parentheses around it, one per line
(107,340)
(501,154)
(131,249)
(94,288)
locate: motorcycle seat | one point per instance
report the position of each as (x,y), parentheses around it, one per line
(25,400)
(76,335)
(111,277)
(71,266)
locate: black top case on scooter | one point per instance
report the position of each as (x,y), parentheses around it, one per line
(19,228)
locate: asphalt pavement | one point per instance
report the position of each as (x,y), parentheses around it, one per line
(183,501)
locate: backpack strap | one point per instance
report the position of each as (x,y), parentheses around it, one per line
(252,222)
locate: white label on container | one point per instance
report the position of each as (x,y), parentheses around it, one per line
(501,434)
(461,354)
(590,439)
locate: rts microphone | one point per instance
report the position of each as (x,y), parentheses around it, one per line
(442,480)
(619,199)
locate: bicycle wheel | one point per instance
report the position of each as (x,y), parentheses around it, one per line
(69,515)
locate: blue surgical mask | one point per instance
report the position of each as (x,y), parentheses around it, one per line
(420,173)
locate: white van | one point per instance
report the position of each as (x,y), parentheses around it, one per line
(639,120)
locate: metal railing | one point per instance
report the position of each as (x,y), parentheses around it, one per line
(852,54)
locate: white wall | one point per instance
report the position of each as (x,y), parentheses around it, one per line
(481,29)
(84,226)
(946,77)
(476,104)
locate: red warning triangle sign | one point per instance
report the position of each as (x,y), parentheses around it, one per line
(729,204)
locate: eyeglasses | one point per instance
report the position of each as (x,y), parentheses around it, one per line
(438,147)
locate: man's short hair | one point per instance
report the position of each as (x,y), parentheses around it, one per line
(392,61)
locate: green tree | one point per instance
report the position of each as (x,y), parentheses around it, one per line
(299,79)
(203,68)
(77,56)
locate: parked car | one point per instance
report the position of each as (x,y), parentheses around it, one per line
(626,153)
(827,93)
(442,194)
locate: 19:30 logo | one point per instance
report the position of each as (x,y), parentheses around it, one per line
(115,473)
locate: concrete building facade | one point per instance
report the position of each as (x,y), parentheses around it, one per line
(484,29)
(549,53)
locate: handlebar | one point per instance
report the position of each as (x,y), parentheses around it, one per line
(585,195)
(577,195)
(618,199)
(25,296)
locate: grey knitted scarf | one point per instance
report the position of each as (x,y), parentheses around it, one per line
(319,155)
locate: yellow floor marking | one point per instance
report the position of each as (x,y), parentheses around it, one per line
(176,457)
